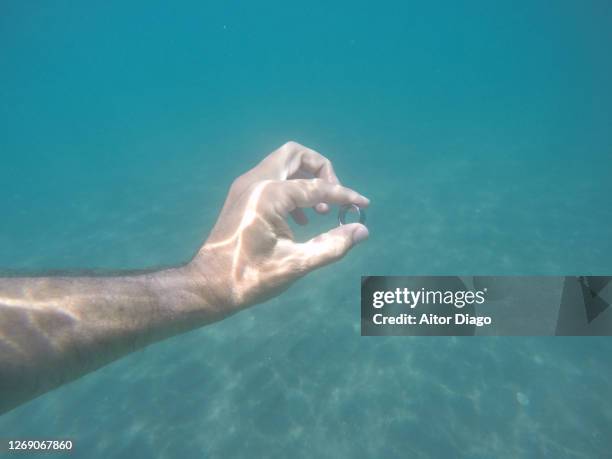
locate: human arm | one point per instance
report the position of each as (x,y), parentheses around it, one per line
(54,329)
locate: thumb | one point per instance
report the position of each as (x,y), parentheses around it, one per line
(333,245)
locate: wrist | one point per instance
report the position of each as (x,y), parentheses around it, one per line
(211,273)
(187,296)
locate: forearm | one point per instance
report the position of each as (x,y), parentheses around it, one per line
(55,329)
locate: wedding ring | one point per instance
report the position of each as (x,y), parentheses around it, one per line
(350,208)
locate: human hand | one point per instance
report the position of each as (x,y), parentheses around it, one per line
(251,255)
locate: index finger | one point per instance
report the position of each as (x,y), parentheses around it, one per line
(301,193)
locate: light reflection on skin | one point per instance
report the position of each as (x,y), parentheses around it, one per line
(54,329)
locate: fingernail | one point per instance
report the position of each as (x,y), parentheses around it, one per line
(361,233)
(364,198)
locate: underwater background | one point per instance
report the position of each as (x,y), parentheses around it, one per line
(481,131)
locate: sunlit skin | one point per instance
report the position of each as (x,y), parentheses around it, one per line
(54,329)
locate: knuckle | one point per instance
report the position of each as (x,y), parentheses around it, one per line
(333,256)
(335,250)
(338,252)
(291,145)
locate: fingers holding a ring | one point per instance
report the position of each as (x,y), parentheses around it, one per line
(301,193)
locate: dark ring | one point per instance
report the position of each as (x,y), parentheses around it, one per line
(352,207)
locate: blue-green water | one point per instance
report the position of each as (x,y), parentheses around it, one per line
(481,132)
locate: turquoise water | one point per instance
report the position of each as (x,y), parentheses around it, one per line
(479,130)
